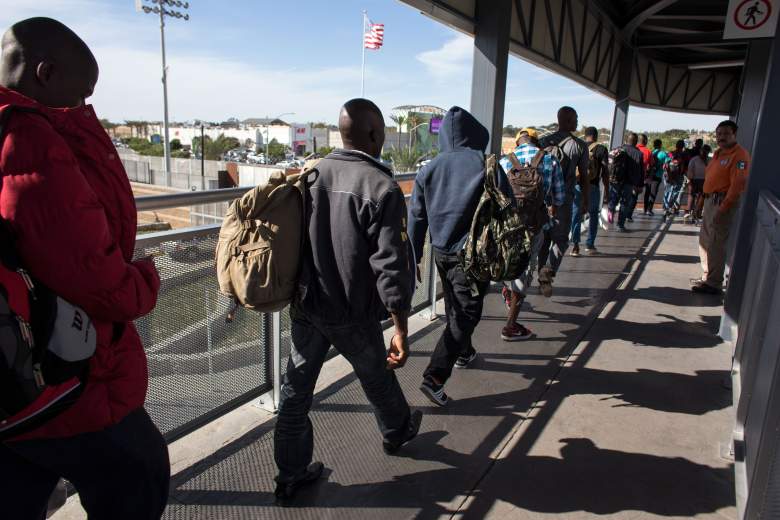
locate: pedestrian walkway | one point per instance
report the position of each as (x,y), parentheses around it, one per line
(614,407)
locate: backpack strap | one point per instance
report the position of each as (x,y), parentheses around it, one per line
(536,161)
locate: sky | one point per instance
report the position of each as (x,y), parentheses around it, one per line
(262,58)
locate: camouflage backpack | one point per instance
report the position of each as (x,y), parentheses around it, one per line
(527,185)
(498,245)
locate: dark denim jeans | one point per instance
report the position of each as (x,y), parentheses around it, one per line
(624,195)
(594,207)
(121,472)
(556,239)
(651,192)
(463,310)
(363,346)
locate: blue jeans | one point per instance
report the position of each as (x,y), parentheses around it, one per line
(363,346)
(671,192)
(622,194)
(593,214)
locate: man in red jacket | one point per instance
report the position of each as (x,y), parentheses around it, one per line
(67,201)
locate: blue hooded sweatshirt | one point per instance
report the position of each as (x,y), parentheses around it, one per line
(447,190)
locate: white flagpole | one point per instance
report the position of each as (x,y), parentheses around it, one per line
(363,65)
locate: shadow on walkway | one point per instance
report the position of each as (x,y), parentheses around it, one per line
(508,384)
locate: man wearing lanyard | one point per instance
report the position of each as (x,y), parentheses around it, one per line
(725,180)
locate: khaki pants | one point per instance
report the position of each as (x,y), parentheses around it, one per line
(712,242)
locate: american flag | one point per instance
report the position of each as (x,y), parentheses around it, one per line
(374,36)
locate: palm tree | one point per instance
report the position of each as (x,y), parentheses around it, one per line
(413,120)
(399,120)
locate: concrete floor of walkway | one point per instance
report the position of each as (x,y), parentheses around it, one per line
(615,407)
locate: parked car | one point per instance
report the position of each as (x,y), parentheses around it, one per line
(256,158)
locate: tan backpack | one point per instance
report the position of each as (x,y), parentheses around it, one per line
(260,243)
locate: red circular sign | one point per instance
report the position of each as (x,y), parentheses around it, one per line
(743,17)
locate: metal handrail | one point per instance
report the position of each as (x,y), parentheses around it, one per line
(177,200)
(155,239)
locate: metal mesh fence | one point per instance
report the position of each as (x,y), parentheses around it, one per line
(199,365)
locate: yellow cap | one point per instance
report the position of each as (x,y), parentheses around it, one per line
(532,133)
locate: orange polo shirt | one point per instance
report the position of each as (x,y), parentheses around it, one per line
(727,173)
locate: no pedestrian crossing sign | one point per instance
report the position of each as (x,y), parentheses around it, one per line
(751,19)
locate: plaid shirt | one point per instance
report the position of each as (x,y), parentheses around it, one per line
(552,175)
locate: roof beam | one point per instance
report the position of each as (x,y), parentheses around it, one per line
(708,39)
(641,12)
(691,17)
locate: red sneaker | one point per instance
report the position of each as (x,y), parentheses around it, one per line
(515,332)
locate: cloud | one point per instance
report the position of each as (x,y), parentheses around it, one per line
(213,88)
(453,58)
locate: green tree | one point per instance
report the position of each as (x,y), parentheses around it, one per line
(399,120)
(276,151)
(145,147)
(325,150)
(175,145)
(215,148)
(405,159)
(109,127)
(413,120)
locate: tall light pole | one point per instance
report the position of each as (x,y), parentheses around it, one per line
(160,10)
(267,130)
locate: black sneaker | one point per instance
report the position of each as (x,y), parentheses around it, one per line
(411,432)
(285,492)
(591,250)
(705,288)
(434,392)
(575,251)
(630,219)
(622,229)
(464,361)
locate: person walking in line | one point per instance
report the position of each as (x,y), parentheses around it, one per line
(598,176)
(356,272)
(675,170)
(647,157)
(533,172)
(444,198)
(696,175)
(66,201)
(625,174)
(654,176)
(725,180)
(572,154)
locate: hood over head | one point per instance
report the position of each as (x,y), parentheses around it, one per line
(460,129)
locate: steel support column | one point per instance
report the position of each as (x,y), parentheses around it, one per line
(759,113)
(620,116)
(753,85)
(491,55)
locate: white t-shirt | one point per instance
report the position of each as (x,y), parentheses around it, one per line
(696,168)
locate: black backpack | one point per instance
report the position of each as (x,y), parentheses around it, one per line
(45,344)
(619,165)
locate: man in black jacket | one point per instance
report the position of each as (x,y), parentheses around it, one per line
(356,272)
(445,196)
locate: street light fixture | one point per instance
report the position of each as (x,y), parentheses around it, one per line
(164,8)
(267,129)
